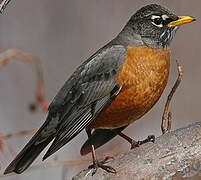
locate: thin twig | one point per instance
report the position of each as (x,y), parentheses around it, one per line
(167,115)
(76,161)
(40,92)
(18,133)
(8,55)
(4,137)
(17,54)
(4,149)
(169,123)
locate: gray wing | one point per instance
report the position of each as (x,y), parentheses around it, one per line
(83,96)
(89,89)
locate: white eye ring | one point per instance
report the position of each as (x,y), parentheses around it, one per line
(158,25)
(157,17)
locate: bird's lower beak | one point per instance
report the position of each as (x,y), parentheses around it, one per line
(181,20)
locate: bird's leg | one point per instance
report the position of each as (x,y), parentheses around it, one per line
(99,164)
(134,143)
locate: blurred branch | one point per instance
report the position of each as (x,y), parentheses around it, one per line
(174,155)
(3,5)
(18,133)
(6,58)
(72,162)
(11,54)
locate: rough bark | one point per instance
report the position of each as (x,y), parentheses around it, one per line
(174,155)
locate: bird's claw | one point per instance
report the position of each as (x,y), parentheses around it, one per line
(107,159)
(150,138)
(97,164)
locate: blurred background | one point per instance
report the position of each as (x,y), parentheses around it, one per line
(64,34)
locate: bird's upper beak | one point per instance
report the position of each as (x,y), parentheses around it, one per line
(181,20)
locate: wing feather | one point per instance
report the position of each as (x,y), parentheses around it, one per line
(90,88)
(88,96)
(69,130)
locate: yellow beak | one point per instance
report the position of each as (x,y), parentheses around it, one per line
(181,20)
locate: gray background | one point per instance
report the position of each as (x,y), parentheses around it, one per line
(63,34)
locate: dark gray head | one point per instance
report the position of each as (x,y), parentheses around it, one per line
(154,26)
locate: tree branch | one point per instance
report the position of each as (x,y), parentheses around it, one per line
(16,54)
(18,133)
(11,54)
(168,116)
(71,162)
(174,155)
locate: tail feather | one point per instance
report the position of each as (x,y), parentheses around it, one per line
(26,157)
(98,138)
(32,149)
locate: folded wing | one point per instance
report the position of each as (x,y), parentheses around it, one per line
(90,88)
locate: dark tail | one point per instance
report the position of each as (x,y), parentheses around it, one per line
(30,152)
(98,138)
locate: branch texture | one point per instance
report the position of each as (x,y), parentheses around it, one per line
(174,155)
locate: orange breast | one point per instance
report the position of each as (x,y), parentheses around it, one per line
(143,77)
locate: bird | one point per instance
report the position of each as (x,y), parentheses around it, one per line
(113,88)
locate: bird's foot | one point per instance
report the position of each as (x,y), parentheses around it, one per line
(100,164)
(107,159)
(135,144)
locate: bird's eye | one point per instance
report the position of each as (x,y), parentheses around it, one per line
(157,21)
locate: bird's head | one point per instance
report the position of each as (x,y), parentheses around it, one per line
(156,25)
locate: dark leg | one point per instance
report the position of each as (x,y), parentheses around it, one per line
(96,164)
(134,143)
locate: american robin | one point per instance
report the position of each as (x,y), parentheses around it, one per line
(113,88)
